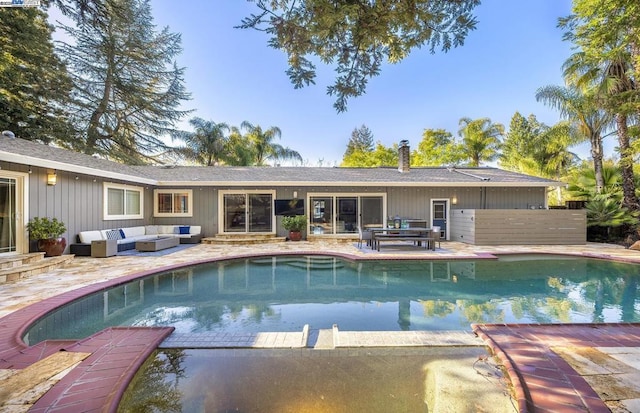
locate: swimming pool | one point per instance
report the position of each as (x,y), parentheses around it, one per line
(283,293)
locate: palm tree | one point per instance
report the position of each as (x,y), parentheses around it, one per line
(581,110)
(611,78)
(207,144)
(582,183)
(480,139)
(264,147)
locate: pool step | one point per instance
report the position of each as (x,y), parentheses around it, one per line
(243,239)
(16,267)
(323,339)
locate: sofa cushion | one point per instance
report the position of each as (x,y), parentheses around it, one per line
(184,229)
(151,230)
(87,236)
(131,232)
(195,229)
(113,234)
(167,229)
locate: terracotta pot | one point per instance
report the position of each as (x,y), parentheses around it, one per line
(52,247)
(295,235)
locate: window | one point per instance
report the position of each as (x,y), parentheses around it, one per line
(173,203)
(122,202)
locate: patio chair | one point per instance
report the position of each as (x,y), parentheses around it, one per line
(364,236)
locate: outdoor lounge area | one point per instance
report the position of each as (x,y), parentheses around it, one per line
(129,238)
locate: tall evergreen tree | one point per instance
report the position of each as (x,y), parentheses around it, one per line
(361,141)
(34,85)
(127,88)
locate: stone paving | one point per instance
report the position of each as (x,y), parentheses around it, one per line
(84,272)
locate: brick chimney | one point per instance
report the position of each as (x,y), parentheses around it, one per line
(404,161)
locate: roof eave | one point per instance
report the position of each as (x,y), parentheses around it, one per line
(62,166)
(363,183)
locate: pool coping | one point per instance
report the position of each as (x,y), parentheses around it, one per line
(14,325)
(541,378)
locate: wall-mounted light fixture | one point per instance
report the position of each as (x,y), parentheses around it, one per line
(52,178)
(295,194)
(454,200)
(30,170)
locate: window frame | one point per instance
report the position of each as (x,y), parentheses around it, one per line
(173,192)
(125,188)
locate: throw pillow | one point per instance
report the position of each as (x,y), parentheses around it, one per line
(122,236)
(114,234)
(184,230)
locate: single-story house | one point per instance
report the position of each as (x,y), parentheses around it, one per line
(476,205)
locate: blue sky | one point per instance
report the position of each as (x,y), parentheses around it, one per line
(234,76)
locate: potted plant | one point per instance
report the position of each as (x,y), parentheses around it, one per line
(294,224)
(48,233)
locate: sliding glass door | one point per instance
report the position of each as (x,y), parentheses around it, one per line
(8,215)
(343,213)
(247,212)
(12,216)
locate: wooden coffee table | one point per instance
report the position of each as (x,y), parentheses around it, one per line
(157,244)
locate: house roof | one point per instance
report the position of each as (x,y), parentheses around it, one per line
(35,154)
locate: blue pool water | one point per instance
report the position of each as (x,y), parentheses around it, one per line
(285,293)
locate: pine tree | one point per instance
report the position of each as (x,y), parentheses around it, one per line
(361,141)
(127,88)
(34,86)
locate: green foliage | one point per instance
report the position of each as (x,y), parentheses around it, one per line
(608,34)
(579,106)
(34,85)
(127,87)
(437,148)
(361,141)
(380,156)
(294,223)
(239,151)
(207,144)
(44,228)
(606,211)
(480,139)
(263,146)
(583,186)
(358,35)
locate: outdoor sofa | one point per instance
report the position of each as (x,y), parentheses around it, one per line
(126,237)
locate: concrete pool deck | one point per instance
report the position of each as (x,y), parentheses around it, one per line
(530,356)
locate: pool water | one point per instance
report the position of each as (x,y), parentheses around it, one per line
(311,381)
(284,293)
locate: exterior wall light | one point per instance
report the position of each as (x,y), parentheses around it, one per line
(454,200)
(52,178)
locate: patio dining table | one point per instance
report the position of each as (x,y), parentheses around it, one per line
(404,234)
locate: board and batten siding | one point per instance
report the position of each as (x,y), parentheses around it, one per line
(519,226)
(78,202)
(205,211)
